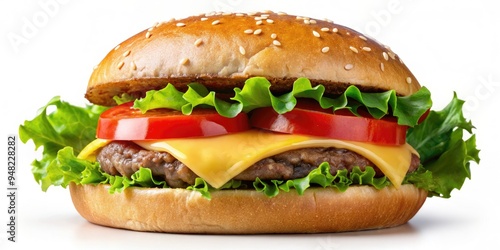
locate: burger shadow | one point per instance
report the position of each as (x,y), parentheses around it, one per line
(88,233)
(414,227)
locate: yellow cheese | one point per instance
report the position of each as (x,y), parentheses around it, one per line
(219,159)
(89,152)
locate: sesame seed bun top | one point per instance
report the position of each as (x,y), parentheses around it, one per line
(222,50)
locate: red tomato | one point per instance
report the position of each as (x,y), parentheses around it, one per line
(310,119)
(126,123)
(424,116)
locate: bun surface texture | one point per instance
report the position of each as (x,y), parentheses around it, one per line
(222,50)
(247,211)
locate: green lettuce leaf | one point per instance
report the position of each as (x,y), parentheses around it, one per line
(321,176)
(256,93)
(67,126)
(445,155)
(125,97)
(66,168)
(205,189)
(142,178)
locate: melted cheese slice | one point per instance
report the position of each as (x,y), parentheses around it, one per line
(90,151)
(218,159)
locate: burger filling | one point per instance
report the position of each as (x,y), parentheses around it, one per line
(124,158)
(143,142)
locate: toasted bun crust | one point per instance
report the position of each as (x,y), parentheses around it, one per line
(248,212)
(222,50)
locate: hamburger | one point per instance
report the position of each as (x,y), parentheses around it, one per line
(231,123)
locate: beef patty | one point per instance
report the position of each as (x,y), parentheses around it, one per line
(124,158)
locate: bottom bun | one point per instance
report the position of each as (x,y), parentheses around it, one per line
(246,211)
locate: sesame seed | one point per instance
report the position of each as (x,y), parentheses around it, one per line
(335,30)
(384,54)
(328,20)
(367,49)
(392,55)
(408,80)
(348,66)
(316,34)
(133,66)
(126,53)
(248,31)
(258,22)
(215,22)
(276,42)
(242,50)
(120,65)
(239,14)
(151,29)
(353,49)
(382,66)
(148,35)
(325,49)
(306,21)
(198,42)
(348,33)
(312,21)
(273,35)
(257,31)
(281,13)
(269,20)
(180,24)
(325,29)
(117,47)
(184,61)
(363,38)
(204,18)
(257,18)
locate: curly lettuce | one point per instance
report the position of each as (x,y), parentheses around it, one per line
(256,93)
(67,126)
(444,154)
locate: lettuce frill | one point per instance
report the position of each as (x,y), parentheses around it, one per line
(256,93)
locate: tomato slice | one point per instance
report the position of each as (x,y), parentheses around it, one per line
(123,122)
(309,118)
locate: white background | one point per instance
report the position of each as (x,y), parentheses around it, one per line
(49,48)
